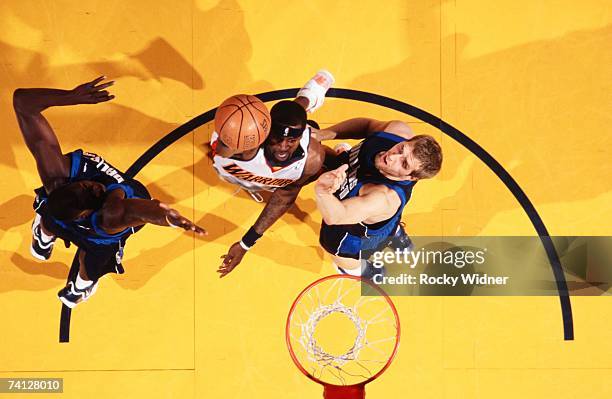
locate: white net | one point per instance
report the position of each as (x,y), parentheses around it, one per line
(339,336)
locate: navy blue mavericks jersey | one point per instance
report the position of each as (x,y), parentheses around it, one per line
(350,240)
(87,231)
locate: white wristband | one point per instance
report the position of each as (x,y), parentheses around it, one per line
(243,245)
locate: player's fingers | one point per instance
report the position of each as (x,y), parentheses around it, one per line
(224,271)
(102,93)
(332,176)
(107,98)
(342,168)
(104,85)
(199,230)
(97,80)
(103,99)
(227,261)
(338,177)
(339,172)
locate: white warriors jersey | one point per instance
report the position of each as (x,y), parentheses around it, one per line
(257,174)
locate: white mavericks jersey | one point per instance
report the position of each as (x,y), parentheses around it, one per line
(257,174)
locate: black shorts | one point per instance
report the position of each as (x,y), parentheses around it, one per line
(99,259)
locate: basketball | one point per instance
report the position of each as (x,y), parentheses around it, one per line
(242,122)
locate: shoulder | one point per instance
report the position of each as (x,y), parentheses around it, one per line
(314,158)
(113,211)
(399,128)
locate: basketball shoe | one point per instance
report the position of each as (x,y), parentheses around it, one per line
(71,296)
(314,90)
(400,239)
(41,249)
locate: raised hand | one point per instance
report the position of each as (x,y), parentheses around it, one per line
(329,182)
(91,92)
(231,259)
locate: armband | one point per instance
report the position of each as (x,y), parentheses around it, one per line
(249,239)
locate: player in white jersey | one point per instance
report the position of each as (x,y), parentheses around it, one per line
(257,174)
(288,160)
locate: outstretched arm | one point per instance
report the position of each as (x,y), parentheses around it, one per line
(119,213)
(360,128)
(283,198)
(53,166)
(280,202)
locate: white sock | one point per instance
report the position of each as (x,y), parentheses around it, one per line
(82,284)
(315,91)
(351,272)
(45,237)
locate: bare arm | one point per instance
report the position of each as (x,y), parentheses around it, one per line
(303,101)
(281,200)
(119,213)
(353,210)
(360,128)
(374,203)
(53,167)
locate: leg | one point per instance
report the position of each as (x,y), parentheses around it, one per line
(82,269)
(81,289)
(359,268)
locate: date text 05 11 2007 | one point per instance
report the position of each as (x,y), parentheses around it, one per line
(31,385)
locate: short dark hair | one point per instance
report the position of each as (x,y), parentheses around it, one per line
(66,202)
(288,113)
(429,153)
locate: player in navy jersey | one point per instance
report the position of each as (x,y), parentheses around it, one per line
(84,199)
(362,199)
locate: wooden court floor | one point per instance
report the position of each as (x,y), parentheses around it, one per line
(531,82)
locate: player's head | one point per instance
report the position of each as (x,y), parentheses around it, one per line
(414,159)
(288,125)
(76,200)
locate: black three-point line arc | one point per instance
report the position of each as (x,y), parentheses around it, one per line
(461,138)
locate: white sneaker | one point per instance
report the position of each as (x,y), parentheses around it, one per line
(71,296)
(40,249)
(314,90)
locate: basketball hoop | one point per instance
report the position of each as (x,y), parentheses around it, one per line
(341,339)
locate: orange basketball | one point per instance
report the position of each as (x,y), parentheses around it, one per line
(242,122)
